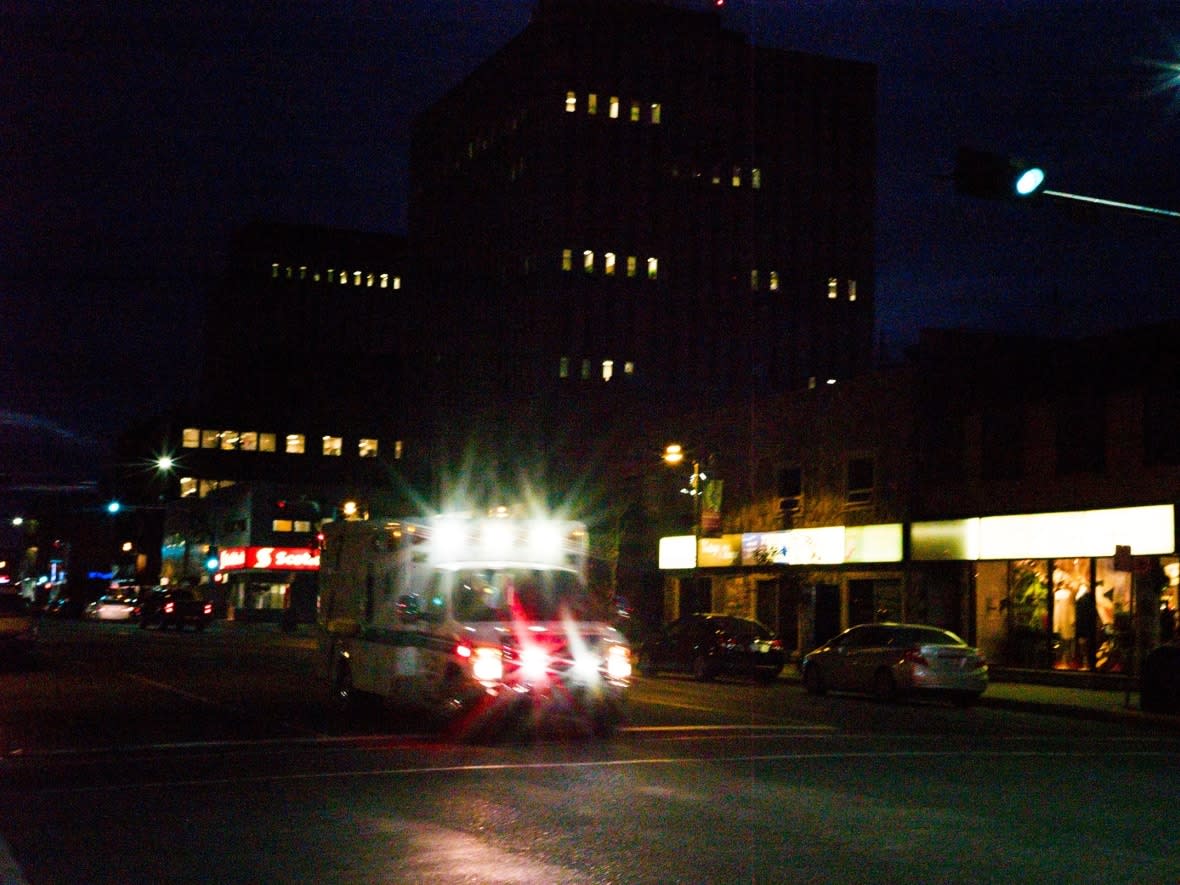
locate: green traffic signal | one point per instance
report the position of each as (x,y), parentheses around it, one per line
(994,176)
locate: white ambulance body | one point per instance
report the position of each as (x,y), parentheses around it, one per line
(478,618)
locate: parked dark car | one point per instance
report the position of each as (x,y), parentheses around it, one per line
(177,607)
(890,660)
(18,630)
(712,645)
(1159,686)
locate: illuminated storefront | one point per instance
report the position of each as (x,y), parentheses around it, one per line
(258,581)
(1078,590)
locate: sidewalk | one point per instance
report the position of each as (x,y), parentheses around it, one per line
(1016,690)
(1103,704)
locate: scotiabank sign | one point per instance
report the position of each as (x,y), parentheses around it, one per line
(296,559)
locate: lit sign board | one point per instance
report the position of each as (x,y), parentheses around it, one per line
(823,546)
(677,552)
(296,559)
(723,551)
(1082,533)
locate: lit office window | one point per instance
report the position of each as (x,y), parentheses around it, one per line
(608,369)
(366,448)
(188,486)
(249,441)
(833,287)
(655,112)
(756,178)
(632,266)
(229,440)
(852,290)
(331,275)
(281,525)
(397,282)
(636,111)
(384,281)
(399,448)
(614,107)
(567,259)
(588,261)
(609,268)
(774,281)
(571,102)
(592,103)
(333,446)
(190,438)
(563,367)
(267,442)
(736,177)
(754,280)
(303,525)
(295,444)
(628,368)
(653,268)
(303,272)
(356,277)
(585,370)
(274,271)
(210,439)
(369,280)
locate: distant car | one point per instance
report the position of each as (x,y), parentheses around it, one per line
(177,607)
(18,630)
(113,607)
(712,645)
(1159,686)
(897,660)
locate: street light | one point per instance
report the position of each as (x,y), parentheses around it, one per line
(674,454)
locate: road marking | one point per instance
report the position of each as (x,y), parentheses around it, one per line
(475,768)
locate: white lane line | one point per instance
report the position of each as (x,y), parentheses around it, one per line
(478,768)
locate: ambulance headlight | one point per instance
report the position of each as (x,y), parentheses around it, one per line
(534,663)
(618,662)
(487,664)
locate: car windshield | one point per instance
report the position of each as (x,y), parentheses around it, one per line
(502,594)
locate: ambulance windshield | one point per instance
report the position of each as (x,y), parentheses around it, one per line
(522,594)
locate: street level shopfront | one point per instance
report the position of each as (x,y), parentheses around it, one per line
(1081,590)
(1078,590)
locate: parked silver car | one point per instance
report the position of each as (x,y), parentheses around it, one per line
(897,660)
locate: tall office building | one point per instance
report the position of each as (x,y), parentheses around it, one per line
(631,202)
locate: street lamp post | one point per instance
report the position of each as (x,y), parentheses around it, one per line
(674,454)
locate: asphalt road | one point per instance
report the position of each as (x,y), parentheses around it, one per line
(144,757)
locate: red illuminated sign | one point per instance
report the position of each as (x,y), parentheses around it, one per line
(295,559)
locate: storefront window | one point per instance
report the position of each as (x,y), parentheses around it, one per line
(1075,614)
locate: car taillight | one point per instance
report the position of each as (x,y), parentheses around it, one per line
(776,645)
(915,656)
(168,607)
(208,608)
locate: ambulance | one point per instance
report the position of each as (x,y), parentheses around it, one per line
(484,621)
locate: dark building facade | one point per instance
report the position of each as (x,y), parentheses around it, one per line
(630,202)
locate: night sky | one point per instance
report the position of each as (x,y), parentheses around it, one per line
(134,143)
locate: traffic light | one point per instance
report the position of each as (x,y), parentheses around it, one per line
(994,176)
(114,507)
(213,560)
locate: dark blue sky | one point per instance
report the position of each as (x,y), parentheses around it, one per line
(135,143)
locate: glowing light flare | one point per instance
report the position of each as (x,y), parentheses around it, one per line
(618,662)
(534,662)
(487,664)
